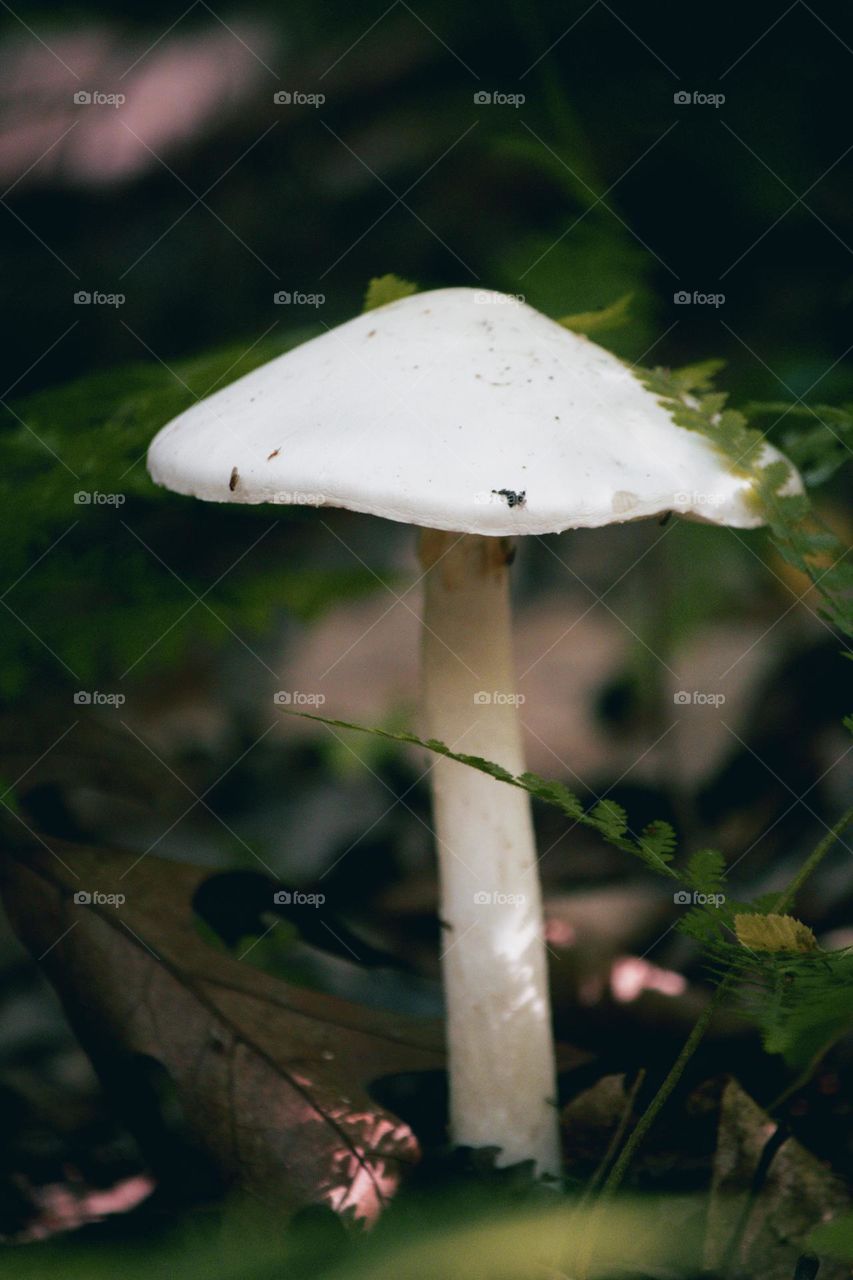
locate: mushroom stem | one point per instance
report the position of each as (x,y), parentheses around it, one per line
(499,1038)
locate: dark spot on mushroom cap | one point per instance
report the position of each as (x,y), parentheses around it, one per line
(274,454)
(372,333)
(512,497)
(235,478)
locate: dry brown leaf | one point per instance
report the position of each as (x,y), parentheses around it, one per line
(91,753)
(590,1119)
(271,1078)
(765,1235)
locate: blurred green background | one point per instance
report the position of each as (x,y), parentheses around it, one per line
(599,183)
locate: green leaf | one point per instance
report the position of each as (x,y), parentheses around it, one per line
(799,536)
(655,846)
(658,841)
(385,289)
(804,1004)
(820,448)
(554,793)
(835,1238)
(705,871)
(611,819)
(610,317)
(675,383)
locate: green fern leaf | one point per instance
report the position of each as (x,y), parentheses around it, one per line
(384,289)
(610,317)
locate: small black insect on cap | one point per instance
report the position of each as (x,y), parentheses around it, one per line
(513,498)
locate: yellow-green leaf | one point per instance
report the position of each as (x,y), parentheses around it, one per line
(774,933)
(606,318)
(385,289)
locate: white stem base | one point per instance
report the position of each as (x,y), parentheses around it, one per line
(500,1044)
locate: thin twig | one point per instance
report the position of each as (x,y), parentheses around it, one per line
(616,1140)
(786,899)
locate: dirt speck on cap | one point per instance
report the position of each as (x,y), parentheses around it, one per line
(235,479)
(623,500)
(512,497)
(274,454)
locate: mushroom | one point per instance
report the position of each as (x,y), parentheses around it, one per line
(476,418)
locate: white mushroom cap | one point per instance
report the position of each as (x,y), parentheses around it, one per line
(458,409)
